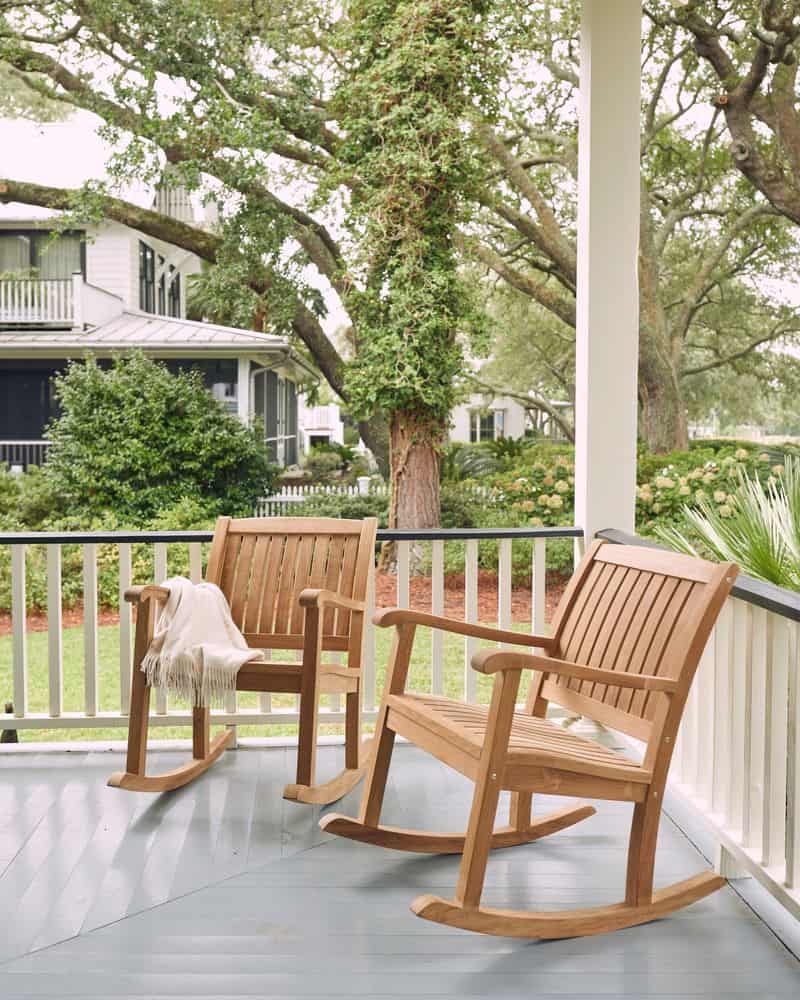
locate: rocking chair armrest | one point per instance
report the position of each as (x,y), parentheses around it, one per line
(490,661)
(399,616)
(151,591)
(311,598)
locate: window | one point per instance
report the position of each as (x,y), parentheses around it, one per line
(48,257)
(169,289)
(486,425)
(147,278)
(275,402)
(174,293)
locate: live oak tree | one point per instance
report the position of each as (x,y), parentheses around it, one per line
(274,107)
(750,51)
(704,232)
(341,168)
(415,68)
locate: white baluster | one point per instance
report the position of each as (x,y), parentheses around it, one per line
(125,629)
(723,656)
(403,573)
(160,575)
(470,615)
(19,646)
(369,646)
(55,658)
(437,608)
(504,584)
(90,629)
(792,876)
(776,721)
(196,562)
(741,672)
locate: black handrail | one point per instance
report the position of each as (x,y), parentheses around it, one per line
(384,535)
(765,595)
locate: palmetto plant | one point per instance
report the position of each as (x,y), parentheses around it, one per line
(760,529)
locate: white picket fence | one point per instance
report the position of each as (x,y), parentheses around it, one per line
(290,496)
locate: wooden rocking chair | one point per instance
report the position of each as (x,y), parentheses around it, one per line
(627,637)
(291,583)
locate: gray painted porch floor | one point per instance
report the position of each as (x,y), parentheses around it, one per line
(223,889)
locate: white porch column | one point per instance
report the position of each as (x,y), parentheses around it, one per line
(243,390)
(608,242)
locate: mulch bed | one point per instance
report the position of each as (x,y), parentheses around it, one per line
(385,596)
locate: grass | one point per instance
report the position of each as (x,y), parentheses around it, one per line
(109,682)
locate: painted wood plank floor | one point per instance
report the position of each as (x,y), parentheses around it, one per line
(222,889)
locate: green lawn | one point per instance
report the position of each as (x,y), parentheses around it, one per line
(108,646)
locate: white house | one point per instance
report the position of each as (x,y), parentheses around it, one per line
(106,289)
(484,418)
(319,424)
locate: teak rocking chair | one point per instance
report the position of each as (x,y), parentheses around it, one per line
(291,583)
(626,641)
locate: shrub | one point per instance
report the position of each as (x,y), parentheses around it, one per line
(133,439)
(338,505)
(758,527)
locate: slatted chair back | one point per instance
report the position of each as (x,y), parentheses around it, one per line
(262,564)
(637,610)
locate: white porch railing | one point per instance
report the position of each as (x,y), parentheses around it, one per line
(92,716)
(737,756)
(737,759)
(23,453)
(36,301)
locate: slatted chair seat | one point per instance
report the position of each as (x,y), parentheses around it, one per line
(291,584)
(627,637)
(533,743)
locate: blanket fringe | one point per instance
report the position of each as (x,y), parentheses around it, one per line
(179,675)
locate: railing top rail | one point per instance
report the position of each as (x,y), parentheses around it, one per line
(765,595)
(384,535)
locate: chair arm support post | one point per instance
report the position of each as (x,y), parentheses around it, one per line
(490,661)
(399,659)
(388,617)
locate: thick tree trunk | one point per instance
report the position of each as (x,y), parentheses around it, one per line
(662,419)
(375,435)
(414,450)
(662,415)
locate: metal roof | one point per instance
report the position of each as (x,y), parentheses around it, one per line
(133,329)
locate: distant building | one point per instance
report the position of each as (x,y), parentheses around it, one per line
(106,289)
(319,424)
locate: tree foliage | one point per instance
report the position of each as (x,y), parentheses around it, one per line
(133,439)
(364,151)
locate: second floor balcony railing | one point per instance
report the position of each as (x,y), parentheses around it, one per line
(37,302)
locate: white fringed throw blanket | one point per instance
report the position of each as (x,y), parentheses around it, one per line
(197,649)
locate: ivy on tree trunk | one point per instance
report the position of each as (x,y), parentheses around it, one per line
(416,67)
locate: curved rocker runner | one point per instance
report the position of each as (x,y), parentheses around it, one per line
(627,638)
(291,584)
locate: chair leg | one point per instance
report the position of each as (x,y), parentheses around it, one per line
(642,850)
(374,786)
(204,752)
(138,723)
(478,841)
(641,903)
(352,729)
(520,810)
(201,732)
